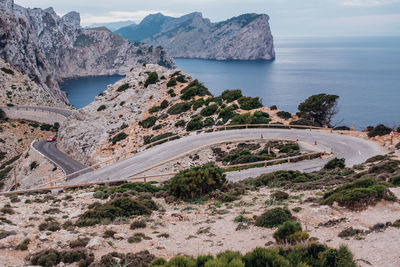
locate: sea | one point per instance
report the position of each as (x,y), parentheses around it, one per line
(363,71)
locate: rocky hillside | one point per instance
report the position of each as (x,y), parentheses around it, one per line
(151,103)
(246,37)
(49,48)
(18,89)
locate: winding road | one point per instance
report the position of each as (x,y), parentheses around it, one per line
(354,150)
(50,151)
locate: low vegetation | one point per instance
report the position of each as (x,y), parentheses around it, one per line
(148,122)
(249,103)
(335,163)
(119,137)
(151,79)
(274,217)
(379,130)
(179,108)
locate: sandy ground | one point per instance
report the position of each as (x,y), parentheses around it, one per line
(183,223)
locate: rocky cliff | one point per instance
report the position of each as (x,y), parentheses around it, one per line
(246,37)
(49,48)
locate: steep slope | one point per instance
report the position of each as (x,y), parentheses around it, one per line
(246,37)
(18,89)
(112,26)
(49,48)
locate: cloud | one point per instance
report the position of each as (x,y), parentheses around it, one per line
(115,16)
(368,3)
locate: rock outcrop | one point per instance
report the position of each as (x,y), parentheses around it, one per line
(49,48)
(246,37)
(16,88)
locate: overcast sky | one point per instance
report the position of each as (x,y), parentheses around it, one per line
(287,17)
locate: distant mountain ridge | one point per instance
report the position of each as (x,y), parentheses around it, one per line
(49,48)
(112,26)
(246,37)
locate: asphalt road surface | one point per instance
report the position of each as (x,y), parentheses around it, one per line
(354,150)
(49,150)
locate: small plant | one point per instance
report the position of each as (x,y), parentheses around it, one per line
(335,163)
(152,79)
(274,217)
(379,130)
(123,87)
(33,165)
(148,122)
(290,232)
(179,108)
(197,182)
(80,242)
(180,123)
(120,136)
(280,195)
(284,115)
(8,71)
(231,95)
(195,124)
(209,110)
(137,225)
(101,108)
(249,103)
(171,82)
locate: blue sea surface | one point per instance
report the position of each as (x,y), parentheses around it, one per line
(363,71)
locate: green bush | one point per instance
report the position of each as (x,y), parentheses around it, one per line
(289,148)
(249,103)
(171,82)
(171,93)
(279,178)
(148,122)
(289,232)
(284,115)
(273,217)
(8,71)
(335,163)
(209,122)
(119,207)
(33,165)
(102,107)
(180,123)
(395,180)
(197,181)
(342,128)
(273,107)
(154,109)
(52,257)
(227,113)
(209,110)
(123,87)
(120,136)
(152,79)
(357,195)
(198,103)
(181,79)
(280,195)
(195,88)
(379,130)
(258,117)
(384,167)
(164,104)
(195,124)
(304,122)
(231,95)
(179,108)
(46,127)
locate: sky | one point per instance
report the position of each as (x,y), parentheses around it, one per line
(287,17)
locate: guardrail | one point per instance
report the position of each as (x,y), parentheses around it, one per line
(174,137)
(150,177)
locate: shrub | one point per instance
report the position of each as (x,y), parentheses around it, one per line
(157,127)
(80,242)
(289,148)
(379,130)
(123,126)
(123,87)
(284,115)
(119,207)
(171,82)
(197,181)
(179,108)
(194,88)
(8,71)
(181,79)
(397,146)
(384,167)
(227,113)
(273,217)
(304,122)
(195,124)
(52,257)
(46,127)
(273,107)
(120,136)
(342,128)
(164,104)
(154,109)
(33,165)
(288,232)
(180,123)
(137,225)
(357,195)
(335,163)
(258,117)
(280,195)
(198,103)
(209,110)
(102,107)
(231,95)
(148,122)
(395,180)
(152,79)
(23,245)
(249,103)
(208,122)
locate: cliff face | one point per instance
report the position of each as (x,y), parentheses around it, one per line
(49,48)
(247,37)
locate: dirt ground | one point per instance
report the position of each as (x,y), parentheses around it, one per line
(204,228)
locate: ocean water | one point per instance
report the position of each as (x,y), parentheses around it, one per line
(363,71)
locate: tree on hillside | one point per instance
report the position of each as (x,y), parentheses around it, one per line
(319,108)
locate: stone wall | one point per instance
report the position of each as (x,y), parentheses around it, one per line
(33,114)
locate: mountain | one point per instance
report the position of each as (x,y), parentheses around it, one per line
(246,37)
(49,48)
(112,26)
